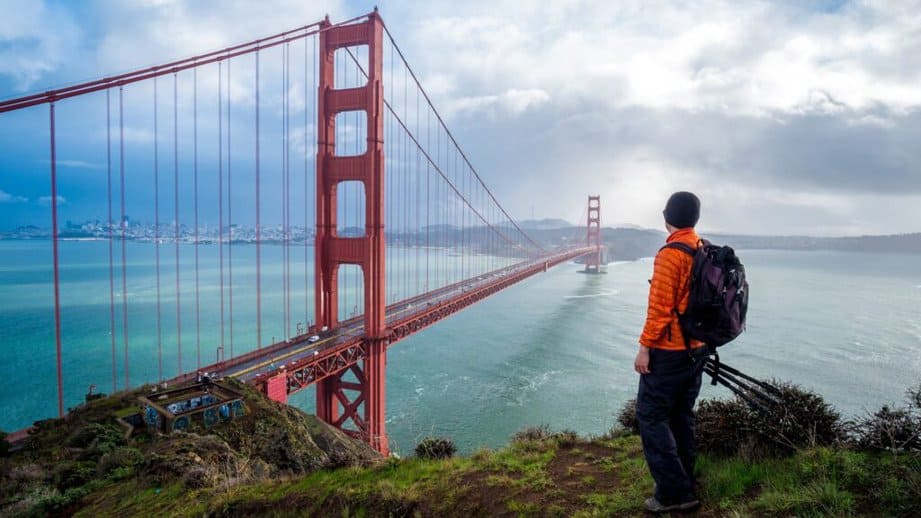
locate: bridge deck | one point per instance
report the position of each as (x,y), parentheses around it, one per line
(306,362)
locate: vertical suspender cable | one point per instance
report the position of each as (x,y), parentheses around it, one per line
(54,251)
(405,159)
(455,215)
(390,142)
(258,230)
(229,216)
(111,244)
(124,227)
(401,207)
(287,191)
(342,301)
(360,131)
(418,184)
(428,205)
(356,191)
(284,187)
(220,195)
(157,233)
(195,193)
(176,222)
(307,197)
(438,261)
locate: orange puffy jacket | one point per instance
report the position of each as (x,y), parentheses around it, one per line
(668,291)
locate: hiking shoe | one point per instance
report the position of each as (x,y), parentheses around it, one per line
(654,506)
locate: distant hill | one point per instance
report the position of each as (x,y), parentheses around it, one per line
(627,244)
(544,224)
(896,243)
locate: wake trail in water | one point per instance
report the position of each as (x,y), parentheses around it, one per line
(602,294)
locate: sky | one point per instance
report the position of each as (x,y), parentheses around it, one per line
(784,117)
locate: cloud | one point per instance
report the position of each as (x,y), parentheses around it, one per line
(512,102)
(812,111)
(6,197)
(747,58)
(75,164)
(46,200)
(28,49)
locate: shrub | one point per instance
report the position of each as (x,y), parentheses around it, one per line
(197,477)
(626,418)
(532,433)
(889,430)
(96,435)
(723,426)
(566,438)
(120,458)
(74,474)
(802,418)
(914,397)
(435,448)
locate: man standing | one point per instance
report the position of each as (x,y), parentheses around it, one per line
(670,368)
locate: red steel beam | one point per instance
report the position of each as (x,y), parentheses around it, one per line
(307,371)
(170,67)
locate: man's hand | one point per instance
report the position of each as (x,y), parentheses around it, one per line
(641,363)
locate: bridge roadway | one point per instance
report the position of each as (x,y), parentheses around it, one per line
(308,362)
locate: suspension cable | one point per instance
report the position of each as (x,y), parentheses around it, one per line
(156,142)
(124,227)
(111,244)
(451,136)
(176,222)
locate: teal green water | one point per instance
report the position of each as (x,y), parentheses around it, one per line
(555,349)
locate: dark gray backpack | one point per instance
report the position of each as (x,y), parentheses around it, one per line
(718,300)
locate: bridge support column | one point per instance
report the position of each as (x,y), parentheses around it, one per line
(593,235)
(335,405)
(358,407)
(375,391)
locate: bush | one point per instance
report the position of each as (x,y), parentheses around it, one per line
(723,427)
(566,438)
(800,419)
(120,458)
(914,398)
(626,418)
(74,474)
(532,433)
(198,477)
(97,435)
(435,448)
(889,430)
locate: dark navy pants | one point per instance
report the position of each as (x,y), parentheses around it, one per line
(665,411)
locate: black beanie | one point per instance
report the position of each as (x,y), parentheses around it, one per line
(682,210)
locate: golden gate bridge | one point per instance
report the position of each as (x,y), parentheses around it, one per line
(325,132)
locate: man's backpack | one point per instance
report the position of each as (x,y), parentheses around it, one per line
(718,300)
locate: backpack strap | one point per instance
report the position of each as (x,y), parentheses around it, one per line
(677,245)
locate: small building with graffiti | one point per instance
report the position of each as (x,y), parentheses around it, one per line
(203,404)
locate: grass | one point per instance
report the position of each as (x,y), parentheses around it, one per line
(543,478)
(538,474)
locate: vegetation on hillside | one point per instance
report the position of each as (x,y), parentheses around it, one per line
(805,461)
(66,460)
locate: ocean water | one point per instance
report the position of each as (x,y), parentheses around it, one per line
(556,349)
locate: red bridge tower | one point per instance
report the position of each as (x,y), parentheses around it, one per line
(340,401)
(593,235)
